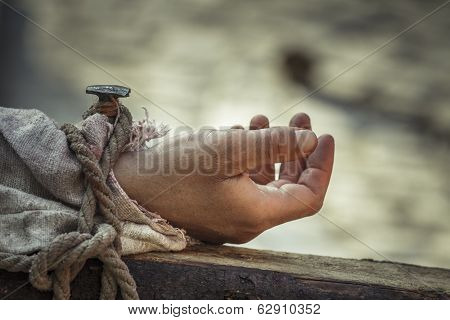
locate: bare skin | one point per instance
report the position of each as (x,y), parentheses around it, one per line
(226,190)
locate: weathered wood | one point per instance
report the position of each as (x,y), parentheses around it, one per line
(224,272)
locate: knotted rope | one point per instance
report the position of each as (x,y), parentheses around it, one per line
(100,238)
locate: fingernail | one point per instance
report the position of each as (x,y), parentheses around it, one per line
(307,140)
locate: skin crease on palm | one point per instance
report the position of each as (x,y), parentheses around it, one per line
(240,198)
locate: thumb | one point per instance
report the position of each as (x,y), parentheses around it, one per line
(253,148)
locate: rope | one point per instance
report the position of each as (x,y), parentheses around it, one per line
(54,267)
(15,262)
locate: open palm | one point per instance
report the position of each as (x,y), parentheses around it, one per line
(220,185)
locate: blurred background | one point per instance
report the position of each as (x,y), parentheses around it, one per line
(220,62)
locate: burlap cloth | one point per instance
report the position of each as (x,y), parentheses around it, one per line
(41,186)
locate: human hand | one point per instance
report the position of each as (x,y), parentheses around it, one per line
(220,185)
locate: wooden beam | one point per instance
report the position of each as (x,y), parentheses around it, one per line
(225,272)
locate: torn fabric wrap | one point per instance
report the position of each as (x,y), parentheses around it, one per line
(41,186)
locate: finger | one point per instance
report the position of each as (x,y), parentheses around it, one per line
(263,175)
(319,167)
(301,120)
(266,173)
(259,121)
(290,171)
(293,201)
(279,144)
(250,149)
(237,126)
